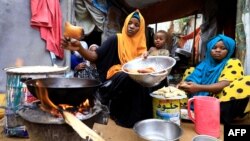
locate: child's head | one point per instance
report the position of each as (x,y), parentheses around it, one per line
(160,39)
(93,48)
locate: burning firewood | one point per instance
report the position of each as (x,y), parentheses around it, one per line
(82,129)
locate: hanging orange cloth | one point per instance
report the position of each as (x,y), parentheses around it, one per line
(46,16)
(196,37)
(129,47)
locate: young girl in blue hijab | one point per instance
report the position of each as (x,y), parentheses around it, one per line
(220,76)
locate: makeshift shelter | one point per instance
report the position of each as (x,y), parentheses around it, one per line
(19,41)
(218,18)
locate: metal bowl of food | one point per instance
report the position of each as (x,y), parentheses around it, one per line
(157,130)
(151,71)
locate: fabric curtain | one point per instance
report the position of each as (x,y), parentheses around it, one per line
(46,16)
(243,33)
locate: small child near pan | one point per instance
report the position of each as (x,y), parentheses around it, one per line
(89,71)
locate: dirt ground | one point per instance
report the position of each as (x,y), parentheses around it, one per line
(112,132)
(4,138)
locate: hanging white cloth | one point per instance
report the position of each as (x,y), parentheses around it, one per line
(246,23)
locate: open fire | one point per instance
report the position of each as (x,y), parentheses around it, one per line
(81,118)
(79,111)
(43,126)
(47,105)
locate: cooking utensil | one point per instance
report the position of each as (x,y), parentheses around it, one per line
(72,91)
(161,64)
(157,130)
(61,91)
(18,95)
(204,138)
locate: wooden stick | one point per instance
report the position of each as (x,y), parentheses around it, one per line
(82,129)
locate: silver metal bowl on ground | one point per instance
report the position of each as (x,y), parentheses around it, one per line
(162,66)
(204,138)
(157,130)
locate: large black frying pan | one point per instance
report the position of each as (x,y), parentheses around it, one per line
(72,91)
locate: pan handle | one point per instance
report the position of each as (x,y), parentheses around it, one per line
(103,94)
(6,69)
(106,84)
